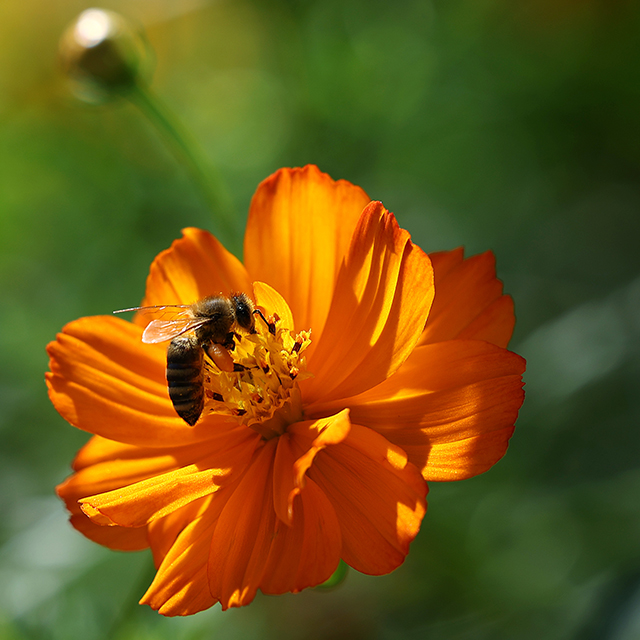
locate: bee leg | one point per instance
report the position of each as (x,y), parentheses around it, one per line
(230,344)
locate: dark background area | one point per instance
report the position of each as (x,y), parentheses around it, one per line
(485,123)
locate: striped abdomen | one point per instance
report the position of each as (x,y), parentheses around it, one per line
(185,377)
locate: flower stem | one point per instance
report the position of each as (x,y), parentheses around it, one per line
(186,150)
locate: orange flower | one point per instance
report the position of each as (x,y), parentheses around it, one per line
(319,447)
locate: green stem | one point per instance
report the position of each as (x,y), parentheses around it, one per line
(186,150)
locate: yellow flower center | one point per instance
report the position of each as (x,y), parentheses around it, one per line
(262,392)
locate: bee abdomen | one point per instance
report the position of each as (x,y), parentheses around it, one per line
(185,378)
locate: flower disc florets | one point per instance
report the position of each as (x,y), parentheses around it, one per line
(262,392)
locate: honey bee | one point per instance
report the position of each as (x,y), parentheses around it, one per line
(206,326)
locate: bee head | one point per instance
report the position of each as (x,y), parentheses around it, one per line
(243,310)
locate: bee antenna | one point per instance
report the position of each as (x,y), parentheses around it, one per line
(261,315)
(270,325)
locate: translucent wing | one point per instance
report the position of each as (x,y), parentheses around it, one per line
(163,311)
(161,330)
(167,321)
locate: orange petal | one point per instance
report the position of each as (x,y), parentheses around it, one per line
(76,487)
(306,553)
(243,534)
(298,232)
(462,458)
(104,380)
(378,496)
(100,449)
(285,487)
(288,558)
(95,474)
(252,549)
(103,466)
(163,533)
(381,301)
(181,585)
(469,302)
(295,454)
(195,266)
(139,503)
(451,407)
(272,302)
(112,474)
(116,538)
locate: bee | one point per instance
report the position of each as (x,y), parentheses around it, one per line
(206,326)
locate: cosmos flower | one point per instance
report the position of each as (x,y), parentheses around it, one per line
(357,388)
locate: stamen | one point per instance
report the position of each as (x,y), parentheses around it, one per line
(262,390)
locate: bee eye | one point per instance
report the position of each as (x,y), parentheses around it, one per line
(244,310)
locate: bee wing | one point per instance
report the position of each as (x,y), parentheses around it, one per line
(160,310)
(161,330)
(166,321)
(168,312)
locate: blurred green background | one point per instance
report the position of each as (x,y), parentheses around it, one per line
(485,123)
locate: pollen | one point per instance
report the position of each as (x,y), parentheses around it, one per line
(262,391)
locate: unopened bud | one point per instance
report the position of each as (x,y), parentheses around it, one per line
(103,55)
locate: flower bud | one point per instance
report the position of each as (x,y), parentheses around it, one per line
(103,55)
